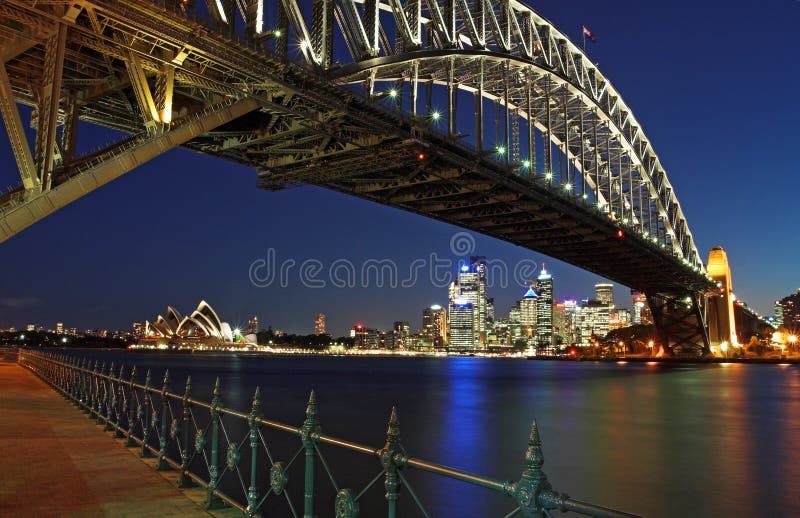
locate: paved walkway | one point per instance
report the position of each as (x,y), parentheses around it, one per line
(54,461)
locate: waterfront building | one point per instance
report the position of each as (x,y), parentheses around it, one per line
(790,312)
(202,328)
(399,337)
(138,329)
(319,324)
(434,325)
(462,325)
(528,311)
(252,326)
(593,320)
(477,265)
(30,328)
(514,325)
(60,328)
(778,314)
(620,317)
(544,309)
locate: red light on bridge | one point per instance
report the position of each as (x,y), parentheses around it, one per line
(421,156)
(620,233)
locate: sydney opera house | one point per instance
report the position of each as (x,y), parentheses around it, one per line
(201,329)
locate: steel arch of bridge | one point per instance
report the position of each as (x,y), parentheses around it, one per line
(341,94)
(507,53)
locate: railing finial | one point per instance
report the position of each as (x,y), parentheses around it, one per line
(256,408)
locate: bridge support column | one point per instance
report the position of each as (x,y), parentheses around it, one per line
(679,322)
(16,133)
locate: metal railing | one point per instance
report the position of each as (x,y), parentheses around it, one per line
(184,434)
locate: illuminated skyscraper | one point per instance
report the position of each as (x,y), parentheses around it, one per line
(434,325)
(462,328)
(478,266)
(252,326)
(604,293)
(60,328)
(778,313)
(528,308)
(544,309)
(790,316)
(319,324)
(400,334)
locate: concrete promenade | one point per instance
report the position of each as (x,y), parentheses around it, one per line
(54,461)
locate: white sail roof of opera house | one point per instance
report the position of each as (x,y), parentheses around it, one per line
(203,322)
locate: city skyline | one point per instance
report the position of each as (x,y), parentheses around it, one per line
(111,225)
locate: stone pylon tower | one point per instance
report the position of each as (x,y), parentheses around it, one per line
(721,321)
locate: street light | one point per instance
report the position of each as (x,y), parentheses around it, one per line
(724,347)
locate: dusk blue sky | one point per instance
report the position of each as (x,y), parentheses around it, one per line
(714,85)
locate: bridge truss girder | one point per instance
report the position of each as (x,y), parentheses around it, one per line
(334,124)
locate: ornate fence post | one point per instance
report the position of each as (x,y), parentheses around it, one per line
(121,403)
(161,465)
(102,393)
(533,482)
(212,500)
(252,421)
(94,389)
(184,480)
(390,449)
(132,410)
(83,385)
(307,435)
(110,399)
(147,421)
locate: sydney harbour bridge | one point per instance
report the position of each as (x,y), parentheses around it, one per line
(478,113)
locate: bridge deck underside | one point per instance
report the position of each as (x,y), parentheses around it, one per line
(449,185)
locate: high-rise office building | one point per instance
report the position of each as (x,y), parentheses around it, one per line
(462,325)
(434,325)
(604,293)
(252,326)
(400,334)
(790,314)
(477,264)
(778,313)
(593,320)
(319,324)
(641,311)
(60,328)
(544,309)
(528,308)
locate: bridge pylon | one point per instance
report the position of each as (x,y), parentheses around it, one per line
(721,317)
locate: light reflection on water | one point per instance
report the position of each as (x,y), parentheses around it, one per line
(707,440)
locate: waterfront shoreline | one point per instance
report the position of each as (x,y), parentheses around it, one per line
(414,354)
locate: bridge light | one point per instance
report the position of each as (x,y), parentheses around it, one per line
(435,115)
(501,150)
(393,93)
(420,156)
(526,164)
(585,196)
(620,233)
(567,186)
(303,45)
(548,176)
(277,33)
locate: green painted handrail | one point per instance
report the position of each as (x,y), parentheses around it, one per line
(111,399)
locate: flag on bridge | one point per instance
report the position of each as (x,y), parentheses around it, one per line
(588,34)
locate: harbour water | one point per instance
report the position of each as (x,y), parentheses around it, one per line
(657,440)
